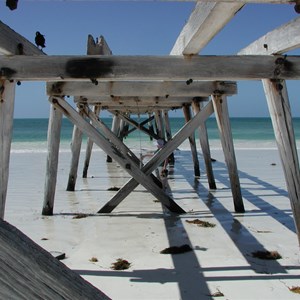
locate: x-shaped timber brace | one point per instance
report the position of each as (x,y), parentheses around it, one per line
(114,147)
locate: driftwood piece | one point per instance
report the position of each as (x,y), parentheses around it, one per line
(30,272)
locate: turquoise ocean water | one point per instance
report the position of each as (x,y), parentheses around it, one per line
(30,135)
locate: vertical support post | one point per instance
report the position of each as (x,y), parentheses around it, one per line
(168,134)
(7,99)
(159,124)
(150,125)
(280,112)
(204,143)
(115,128)
(187,115)
(89,147)
(54,129)
(75,155)
(222,116)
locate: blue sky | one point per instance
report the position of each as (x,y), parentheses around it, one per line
(140,28)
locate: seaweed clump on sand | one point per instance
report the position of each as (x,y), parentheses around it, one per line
(295,289)
(121,264)
(268,255)
(177,249)
(114,188)
(80,216)
(201,223)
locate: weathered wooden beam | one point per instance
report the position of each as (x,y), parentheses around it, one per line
(30,272)
(115,128)
(139,88)
(75,155)
(54,129)
(282,39)
(187,115)
(222,117)
(89,148)
(15,44)
(281,116)
(206,20)
(160,156)
(121,157)
(204,143)
(72,68)
(7,99)
(138,126)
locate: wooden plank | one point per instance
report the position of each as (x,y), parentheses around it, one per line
(13,43)
(75,155)
(160,156)
(281,116)
(187,115)
(53,139)
(159,123)
(206,20)
(234,67)
(222,117)
(123,158)
(204,143)
(30,272)
(166,89)
(282,39)
(7,99)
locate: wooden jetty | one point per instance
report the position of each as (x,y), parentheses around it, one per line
(182,80)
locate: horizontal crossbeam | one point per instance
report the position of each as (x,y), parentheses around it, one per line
(118,68)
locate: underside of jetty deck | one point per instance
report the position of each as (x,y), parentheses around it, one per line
(152,86)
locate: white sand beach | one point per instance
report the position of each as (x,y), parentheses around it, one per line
(221,262)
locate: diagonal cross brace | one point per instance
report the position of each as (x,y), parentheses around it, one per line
(160,156)
(124,159)
(114,139)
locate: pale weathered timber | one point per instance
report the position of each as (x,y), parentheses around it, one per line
(30,272)
(124,159)
(204,143)
(138,126)
(7,99)
(13,43)
(53,139)
(280,112)
(89,148)
(171,158)
(98,47)
(160,156)
(206,20)
(115,127)
(282,39)
(114,139)
(72,68)
(222,117)
(187,116)
(75,155)
(140,88)
(159,124)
